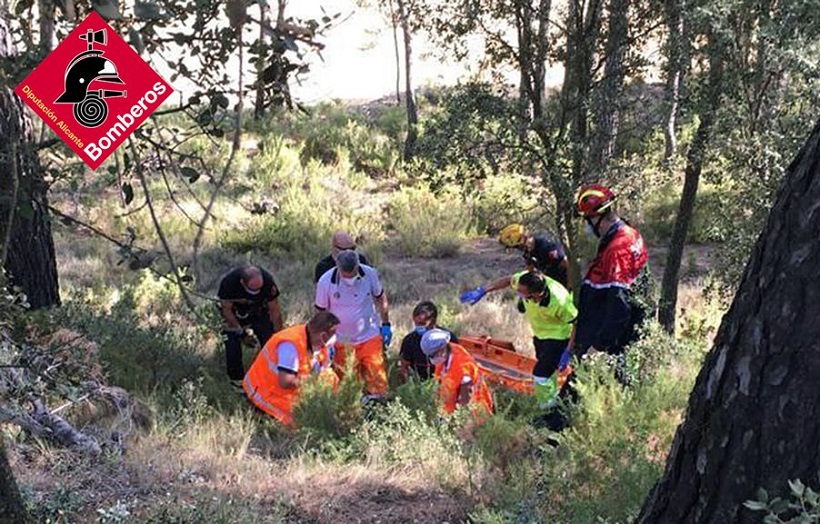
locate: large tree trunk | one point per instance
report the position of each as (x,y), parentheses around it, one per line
(694,165)
(673,17)
(412,110)
(753,419)
(608,112)
(30,261)
(12,510)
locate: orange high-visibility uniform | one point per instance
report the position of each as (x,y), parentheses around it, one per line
(369,363)
(261,382)
(462,365)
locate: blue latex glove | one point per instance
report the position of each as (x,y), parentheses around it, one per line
(565,358)
(473,296)
(387,334)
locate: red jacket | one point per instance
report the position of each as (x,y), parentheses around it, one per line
(607,314)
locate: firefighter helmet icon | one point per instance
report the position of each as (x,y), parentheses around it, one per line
(90,108)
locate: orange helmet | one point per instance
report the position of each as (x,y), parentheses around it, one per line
(593,200)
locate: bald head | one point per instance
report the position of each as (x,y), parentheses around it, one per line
(341,241)
(252,277)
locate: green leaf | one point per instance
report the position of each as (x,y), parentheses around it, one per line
(148,10)
(191,173)
(762,495)
(108,9)
(778,506)
(755,505)
(135,39)
(797,487)
(127,192)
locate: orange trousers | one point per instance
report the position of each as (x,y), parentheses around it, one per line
(369,363)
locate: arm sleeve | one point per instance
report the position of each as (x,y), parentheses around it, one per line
(323,294)
(566,306)
(405,347)
(274,290)
(287,357)
(376,288)
(515,278)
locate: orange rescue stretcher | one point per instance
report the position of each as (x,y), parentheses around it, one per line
(499,362)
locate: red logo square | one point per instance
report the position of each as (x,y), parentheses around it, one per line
(93,90)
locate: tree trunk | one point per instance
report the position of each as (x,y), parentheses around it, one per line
(694,165)
(608,113)
(30,261)
(753,419)
(412,110)
(673,12)
(259,103)
(12,510)
(397,54)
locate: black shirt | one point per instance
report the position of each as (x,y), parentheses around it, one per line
(411,352)
(327,263)
(548,256)
(245,304)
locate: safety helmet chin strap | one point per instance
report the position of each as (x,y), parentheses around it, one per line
(595,224)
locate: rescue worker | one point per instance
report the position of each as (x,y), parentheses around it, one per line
(612,301)
(460,381)
(550,311)
(341,241)
(353,292)
(412,359)
(541,252)
(248,299)
(290,358)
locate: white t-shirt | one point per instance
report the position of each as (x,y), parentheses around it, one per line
(352,303)
(287,358)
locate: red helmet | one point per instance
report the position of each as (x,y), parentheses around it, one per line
(593,200)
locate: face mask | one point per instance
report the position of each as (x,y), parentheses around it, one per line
(439,358)
(251,291)
(591,230)
(522,295)
(331,341)
(420,329)
(349,281)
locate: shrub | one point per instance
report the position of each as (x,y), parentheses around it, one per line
(324,415)
(426,224)
(501,200)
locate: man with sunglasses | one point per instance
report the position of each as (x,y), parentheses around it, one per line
(613,297)
(550,311)
(341,241)
(354,293)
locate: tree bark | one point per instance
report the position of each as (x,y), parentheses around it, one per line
(394,25)
(608,112)
(753,419)
(30,260)
(694,165)
(673,13)
(12,509)
(410,98)
(259,103)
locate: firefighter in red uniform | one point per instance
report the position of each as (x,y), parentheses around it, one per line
(612,302)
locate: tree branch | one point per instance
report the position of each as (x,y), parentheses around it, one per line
(235,145)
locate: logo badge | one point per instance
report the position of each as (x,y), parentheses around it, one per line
(93,90)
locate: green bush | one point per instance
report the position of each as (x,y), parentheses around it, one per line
(616,448)
(324,415)
(309,211)
(501,200)
(426,224)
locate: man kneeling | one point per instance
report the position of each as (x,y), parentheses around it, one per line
(460,381)
(291,357)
